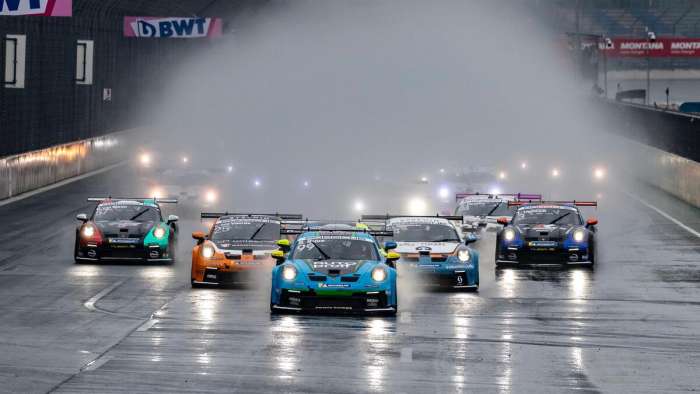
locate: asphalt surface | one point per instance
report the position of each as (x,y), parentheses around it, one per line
(630,325)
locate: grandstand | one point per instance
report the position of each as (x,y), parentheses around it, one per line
(626,18)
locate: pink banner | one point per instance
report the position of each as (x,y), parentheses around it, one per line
(662,47)
(36,7)
(172,27)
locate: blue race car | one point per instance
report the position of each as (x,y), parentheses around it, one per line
(334,269)
(431,249)
(547,232)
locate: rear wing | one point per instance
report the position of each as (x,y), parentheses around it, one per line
(113,199)
(388,216)
(517,196)
(541,202)
(283,216)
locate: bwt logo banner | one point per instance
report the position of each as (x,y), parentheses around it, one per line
(150,27)
(36,7)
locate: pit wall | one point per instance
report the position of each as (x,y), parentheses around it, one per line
(665,147)
(32,170)
(672,173)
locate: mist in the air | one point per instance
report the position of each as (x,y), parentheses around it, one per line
(320,105)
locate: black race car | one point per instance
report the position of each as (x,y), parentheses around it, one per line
(547,232)
(126,229)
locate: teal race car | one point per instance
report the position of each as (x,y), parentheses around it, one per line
(336,269)
(126,229)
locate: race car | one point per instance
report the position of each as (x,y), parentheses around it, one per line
(431,248)
(237,247)
(126,229)
(547,232)
(481,211)
(334,269)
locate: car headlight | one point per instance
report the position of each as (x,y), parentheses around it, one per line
(159,232)
(88,231)
(579,235)
(509,234)
(379,274)
(289,273)
(208,251)
(464,256)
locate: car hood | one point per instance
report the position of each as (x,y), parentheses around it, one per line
(245,245)
(335,267)
(544,231)
(122,227)
(431,247)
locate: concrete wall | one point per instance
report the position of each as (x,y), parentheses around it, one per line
(665,147)
(29,171)
(674,174)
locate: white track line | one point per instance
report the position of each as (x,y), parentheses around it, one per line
(664,214)
(58,184)
(90,304)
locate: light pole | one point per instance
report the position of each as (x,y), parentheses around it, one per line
(651,38)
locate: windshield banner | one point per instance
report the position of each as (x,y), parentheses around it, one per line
(157,27)
(36,7)
(662,47)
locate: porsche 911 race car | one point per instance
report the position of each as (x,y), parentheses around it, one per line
(126,229)
(547,232)
(236,247)
(335,269)
(481,211)
(431,248)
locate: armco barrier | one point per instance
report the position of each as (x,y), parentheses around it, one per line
(29,171)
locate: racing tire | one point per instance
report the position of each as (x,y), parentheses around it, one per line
(75,252)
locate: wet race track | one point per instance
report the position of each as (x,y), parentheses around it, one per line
(630,325)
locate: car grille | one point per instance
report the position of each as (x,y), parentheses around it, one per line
(357,302)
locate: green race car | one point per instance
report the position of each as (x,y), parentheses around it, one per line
(126,229)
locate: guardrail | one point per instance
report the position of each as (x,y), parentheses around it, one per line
(32,170)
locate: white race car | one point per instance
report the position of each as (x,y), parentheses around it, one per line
(481,211)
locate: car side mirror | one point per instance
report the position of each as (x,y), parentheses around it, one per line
(470,238)
(82,217)
(392,257)
(279,256)
(390,245)
(173,219)
(284,245)
(591,222)
(199,236)
(503,221)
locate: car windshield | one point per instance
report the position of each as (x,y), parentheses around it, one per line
(335,249)
(424,232)
(251,230)
(485,208)
(117,212)
(547,216)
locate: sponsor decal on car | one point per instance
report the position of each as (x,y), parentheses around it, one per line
(333,285)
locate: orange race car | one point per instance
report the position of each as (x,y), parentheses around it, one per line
(237,247)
